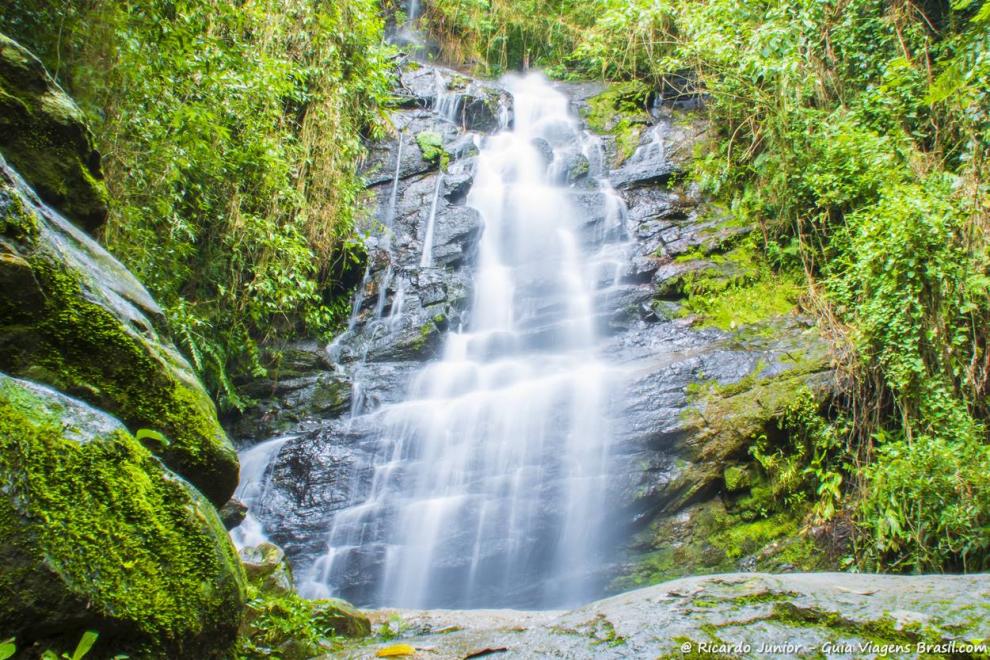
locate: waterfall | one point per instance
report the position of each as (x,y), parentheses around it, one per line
(427,259)
(447,102)
(489,479)
(251,490)
(393,197)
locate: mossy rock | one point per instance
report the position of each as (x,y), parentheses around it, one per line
(267,568)
(431,146)
(44,135)
(95,534)
(737,478)
(279,622)
(620,112)
(342,617)
(71,316)
(708,538)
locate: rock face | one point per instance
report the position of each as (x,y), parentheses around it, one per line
(747,615)
(71,316)
(96,534)
(667,468)
(43,135)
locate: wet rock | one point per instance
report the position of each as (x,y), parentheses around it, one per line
(751,614)
(544,148)
(664,150)
(43,135)
(233,513)
(418,82)
(463,148)
(98,335)
(576,167)
(474,105)
(283,402)
(96,534)
(382,162)
(671,280)
(641,269)
(456,187)
(480,113)
(266,567)
(633,173)
(457,230)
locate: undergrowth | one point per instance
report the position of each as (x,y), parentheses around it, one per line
(230,133)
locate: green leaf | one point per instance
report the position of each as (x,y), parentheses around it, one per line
(85,644)
(149,434)
(7,648)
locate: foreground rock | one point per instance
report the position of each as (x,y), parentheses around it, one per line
(279,623)
(95,534)
(43,135)
(71,316)
(727,616)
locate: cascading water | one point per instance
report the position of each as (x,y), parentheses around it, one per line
(489,482)
(251,490)
(426,261)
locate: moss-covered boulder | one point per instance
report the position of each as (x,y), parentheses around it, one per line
(44,135)
(95,534)
(71,316)
(267,568)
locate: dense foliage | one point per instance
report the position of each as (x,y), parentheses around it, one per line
(854,135)
(230,132)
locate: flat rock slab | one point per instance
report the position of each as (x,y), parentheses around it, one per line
(839,615)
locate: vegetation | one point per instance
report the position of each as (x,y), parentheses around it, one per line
(288,626)
(230,133)
(851,139)
(853,134)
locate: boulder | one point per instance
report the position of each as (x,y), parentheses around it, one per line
(267,568)
(96,534)
(233,513)
(72,317)
(44,135)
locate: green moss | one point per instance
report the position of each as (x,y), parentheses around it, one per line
(736,478)
(620,111)
(745,538)
(16,223)
(44,136)
(82,348)
(883,630)
(431,145)
(712,539)
(95,534)
(429,331)
(603,633)
(734,289)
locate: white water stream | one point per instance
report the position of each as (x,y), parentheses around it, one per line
(489,482)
